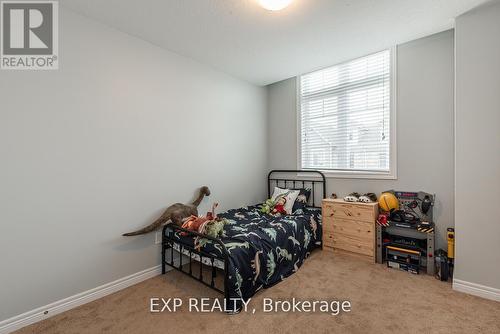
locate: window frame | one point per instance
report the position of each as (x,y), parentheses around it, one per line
(359,174)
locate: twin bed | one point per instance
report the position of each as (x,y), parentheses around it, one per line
(257,250)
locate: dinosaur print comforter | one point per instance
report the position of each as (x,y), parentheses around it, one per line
(264,249)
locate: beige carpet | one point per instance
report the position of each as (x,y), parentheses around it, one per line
(383,301)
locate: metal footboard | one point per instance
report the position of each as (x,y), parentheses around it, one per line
(168,241)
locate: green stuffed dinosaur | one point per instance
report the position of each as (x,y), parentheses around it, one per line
(267,206)
(215,228)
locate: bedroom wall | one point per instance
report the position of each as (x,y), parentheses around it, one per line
(101,146)
(477,148)
(425,74)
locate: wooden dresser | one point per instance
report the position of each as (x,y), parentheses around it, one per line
(350,226)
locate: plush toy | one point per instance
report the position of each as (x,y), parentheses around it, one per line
(193,223)
(214,228)
(279,207)
(276,207)
(268,206)
(197,224)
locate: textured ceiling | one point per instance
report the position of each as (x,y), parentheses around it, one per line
(242,39)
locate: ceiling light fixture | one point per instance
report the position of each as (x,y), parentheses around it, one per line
(274,4)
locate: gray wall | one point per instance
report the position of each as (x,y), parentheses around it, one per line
(101,146)
(425,74)
(477,146)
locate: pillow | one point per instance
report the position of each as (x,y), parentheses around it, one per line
(289,195)
(302,199)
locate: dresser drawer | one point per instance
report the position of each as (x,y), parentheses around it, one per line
(360,229)
(352,211)
(348,243)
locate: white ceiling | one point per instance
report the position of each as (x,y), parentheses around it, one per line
(243,39)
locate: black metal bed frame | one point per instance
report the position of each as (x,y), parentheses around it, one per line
(168,239)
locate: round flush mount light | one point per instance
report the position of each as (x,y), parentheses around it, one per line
(274,4)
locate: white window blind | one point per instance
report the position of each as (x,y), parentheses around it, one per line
(345,116)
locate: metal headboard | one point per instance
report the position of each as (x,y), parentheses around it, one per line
(300,179)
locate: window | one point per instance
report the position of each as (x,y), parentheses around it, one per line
(347,121)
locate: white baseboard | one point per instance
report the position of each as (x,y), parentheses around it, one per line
(476,289)
(66,304)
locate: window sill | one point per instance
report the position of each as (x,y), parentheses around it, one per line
(359,175)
